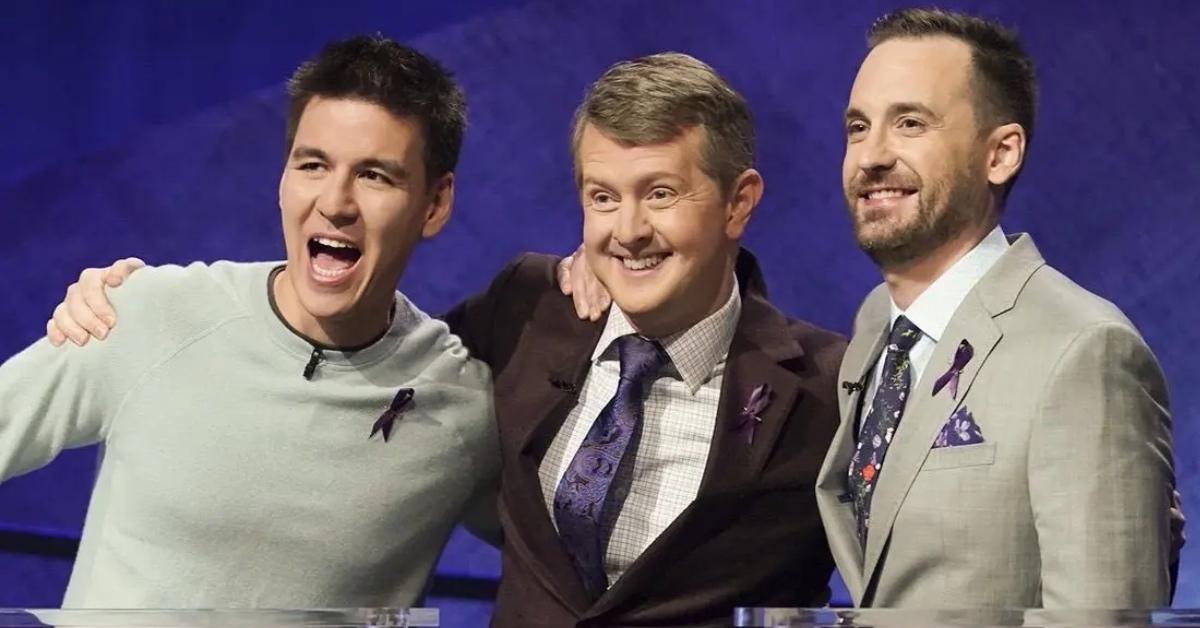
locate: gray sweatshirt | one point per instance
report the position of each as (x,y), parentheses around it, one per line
(228,479)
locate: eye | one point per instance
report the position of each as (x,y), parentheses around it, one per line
(310,166)
(856,129)
(374,176)
(602,201)
(910,124)
(661,197)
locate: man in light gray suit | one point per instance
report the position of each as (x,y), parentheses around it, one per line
(1005,438)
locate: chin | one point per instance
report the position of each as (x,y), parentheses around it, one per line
(639,304)
(327,307)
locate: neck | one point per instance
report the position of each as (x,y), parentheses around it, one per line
(352,330)
(674,318)
(908,281)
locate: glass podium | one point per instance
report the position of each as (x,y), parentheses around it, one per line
(903,618)
(223,618)
(758,617)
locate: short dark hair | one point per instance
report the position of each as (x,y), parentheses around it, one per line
(398,78)
(657,98)
(1006,86)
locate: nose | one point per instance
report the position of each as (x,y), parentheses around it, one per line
(633,230)
(336,202)
(875,152)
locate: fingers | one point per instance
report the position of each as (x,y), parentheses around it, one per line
(580,289)
(590,297)
(63,325)
(116,274)
(90,305)
(80,306)
(1178,525)
(564,274)
(598,299)
(86,310)
(54,334)
(603,302)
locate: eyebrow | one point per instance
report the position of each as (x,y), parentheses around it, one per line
(393,168)
(644,180)
(901,108)
(895,109)
(301,152)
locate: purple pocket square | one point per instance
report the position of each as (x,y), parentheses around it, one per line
(960,430)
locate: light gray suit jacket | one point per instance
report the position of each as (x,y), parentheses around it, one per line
(1064,504)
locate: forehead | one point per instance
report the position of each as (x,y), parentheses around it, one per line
(602,156)
(935,71)
(358,128)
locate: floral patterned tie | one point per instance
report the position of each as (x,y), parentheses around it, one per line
(579,502)
(880,424)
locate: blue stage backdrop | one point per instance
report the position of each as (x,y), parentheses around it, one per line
(156,129)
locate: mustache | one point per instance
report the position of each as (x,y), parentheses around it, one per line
(862,181)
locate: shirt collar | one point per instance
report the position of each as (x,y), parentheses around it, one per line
(931,312)
(695,352)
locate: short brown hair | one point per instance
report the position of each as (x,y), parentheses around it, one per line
(398,78)
(1006,87)
(654,99)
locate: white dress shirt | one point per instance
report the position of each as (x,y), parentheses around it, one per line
(932,310)
(678,419)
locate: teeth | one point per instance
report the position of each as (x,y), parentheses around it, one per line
(888,193)
(337,244)
(643,263)
(329,273)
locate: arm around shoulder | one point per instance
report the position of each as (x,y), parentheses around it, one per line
(475,318)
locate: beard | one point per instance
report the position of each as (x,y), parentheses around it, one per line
(945,209)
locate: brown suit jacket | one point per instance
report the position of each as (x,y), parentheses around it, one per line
(752,537)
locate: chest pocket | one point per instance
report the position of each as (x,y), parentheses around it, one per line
(958,457)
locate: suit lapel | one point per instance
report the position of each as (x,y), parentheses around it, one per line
(837,513)
(558,367)
(926,413)
(760,344)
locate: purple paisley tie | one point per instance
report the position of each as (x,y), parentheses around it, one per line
(579,502)
(880,424)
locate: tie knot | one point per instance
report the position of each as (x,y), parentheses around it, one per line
(640,358)
(904,335)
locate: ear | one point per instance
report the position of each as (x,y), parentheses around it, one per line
(441,205)
(747,191)
(1006,153)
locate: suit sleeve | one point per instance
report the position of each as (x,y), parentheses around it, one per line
(474,318)
(1100,475)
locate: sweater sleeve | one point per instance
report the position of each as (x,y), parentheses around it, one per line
(56,398)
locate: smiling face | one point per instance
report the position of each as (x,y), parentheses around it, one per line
(657,230)
(916,169)
(355,201)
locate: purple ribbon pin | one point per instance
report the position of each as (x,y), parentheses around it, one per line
(961,357)
(401,402)
(748,417)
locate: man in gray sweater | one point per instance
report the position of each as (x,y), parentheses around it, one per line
(255,449)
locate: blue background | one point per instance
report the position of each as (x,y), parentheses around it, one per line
(155,128)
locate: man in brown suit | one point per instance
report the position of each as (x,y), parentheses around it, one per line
(670,496)
(715,507)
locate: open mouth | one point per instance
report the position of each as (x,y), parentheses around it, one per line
(648,262)
(331,258)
